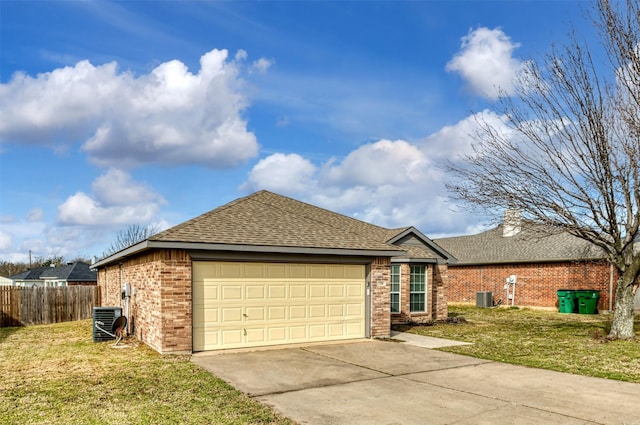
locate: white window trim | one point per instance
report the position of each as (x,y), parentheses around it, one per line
(399,289)
(426,285)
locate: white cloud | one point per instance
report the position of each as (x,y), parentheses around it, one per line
(389,183)
(485,62)
(282,173)
(117,201)
(6,241)
(261,65)
(402,161)
(168,116)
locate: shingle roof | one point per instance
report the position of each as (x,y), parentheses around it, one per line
(75,272)
(529,245)
(268,219)
(31,274)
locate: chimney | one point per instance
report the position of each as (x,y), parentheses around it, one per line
(512,222)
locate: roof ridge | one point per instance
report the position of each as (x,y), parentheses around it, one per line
(326,211)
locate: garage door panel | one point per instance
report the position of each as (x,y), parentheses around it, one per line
(354,291)
(255,335)
(297,291)
(297,312)
(317,331)
(231,293)
(232,337)
(253,314)
(336,291)
(276,313)
(252,304)
(336,329)
(297,333)
(317,291)
(354,310)
(255,292)
(277,335)
(317,311)
(231,315)
(277,292)
(354,328)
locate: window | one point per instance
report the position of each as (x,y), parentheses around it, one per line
(395,288)
(417,289)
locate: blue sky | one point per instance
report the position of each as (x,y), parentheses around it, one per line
(150,113)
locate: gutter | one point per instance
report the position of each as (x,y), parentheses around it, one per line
(200,246)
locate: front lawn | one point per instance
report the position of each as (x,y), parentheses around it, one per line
(55,374)
(571,343)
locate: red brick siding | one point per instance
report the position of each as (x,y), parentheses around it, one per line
(160,311)
(436,307)
(537,283)
(380,298)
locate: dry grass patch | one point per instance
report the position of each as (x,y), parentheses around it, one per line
(54,374)
(540,338)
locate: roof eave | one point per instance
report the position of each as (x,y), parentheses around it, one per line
(527,261)
(430,243)
(202,246)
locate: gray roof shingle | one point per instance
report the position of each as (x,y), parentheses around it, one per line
(268,219)
(75,272)
(529,245)
(268,222)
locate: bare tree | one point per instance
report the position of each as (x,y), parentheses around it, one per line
(567,153)
(131,235)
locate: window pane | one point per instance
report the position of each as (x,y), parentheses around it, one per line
(395,303)
(395,289)
(417,288)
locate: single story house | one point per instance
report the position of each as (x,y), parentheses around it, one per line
(268,270)
(73,273)
(540,262)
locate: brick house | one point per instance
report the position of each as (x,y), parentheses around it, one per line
(269,270)
(541,262)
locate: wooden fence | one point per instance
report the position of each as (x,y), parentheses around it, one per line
(39,306)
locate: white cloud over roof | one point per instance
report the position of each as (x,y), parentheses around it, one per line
(169,116)
(392,183)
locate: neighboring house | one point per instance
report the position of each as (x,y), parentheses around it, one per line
(5,281)
(76,273)
(542,263)
(269,270)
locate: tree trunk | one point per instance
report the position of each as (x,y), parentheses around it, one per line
(622,325)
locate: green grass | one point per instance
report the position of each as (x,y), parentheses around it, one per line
(539,338)
(55,374)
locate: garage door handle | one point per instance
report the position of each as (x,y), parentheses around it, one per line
(245,314)
(245,332)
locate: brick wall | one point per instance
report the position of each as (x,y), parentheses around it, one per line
(436,306)
(439,291)
(160,310)
(380,298)
(537,283)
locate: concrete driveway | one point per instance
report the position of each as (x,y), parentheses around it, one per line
(379,382)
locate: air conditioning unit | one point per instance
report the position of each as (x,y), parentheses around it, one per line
(484,299)
(106,316)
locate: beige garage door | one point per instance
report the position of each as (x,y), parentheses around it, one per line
(238,304)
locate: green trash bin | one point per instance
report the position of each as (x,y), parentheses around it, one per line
(587,301)
(567,301)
